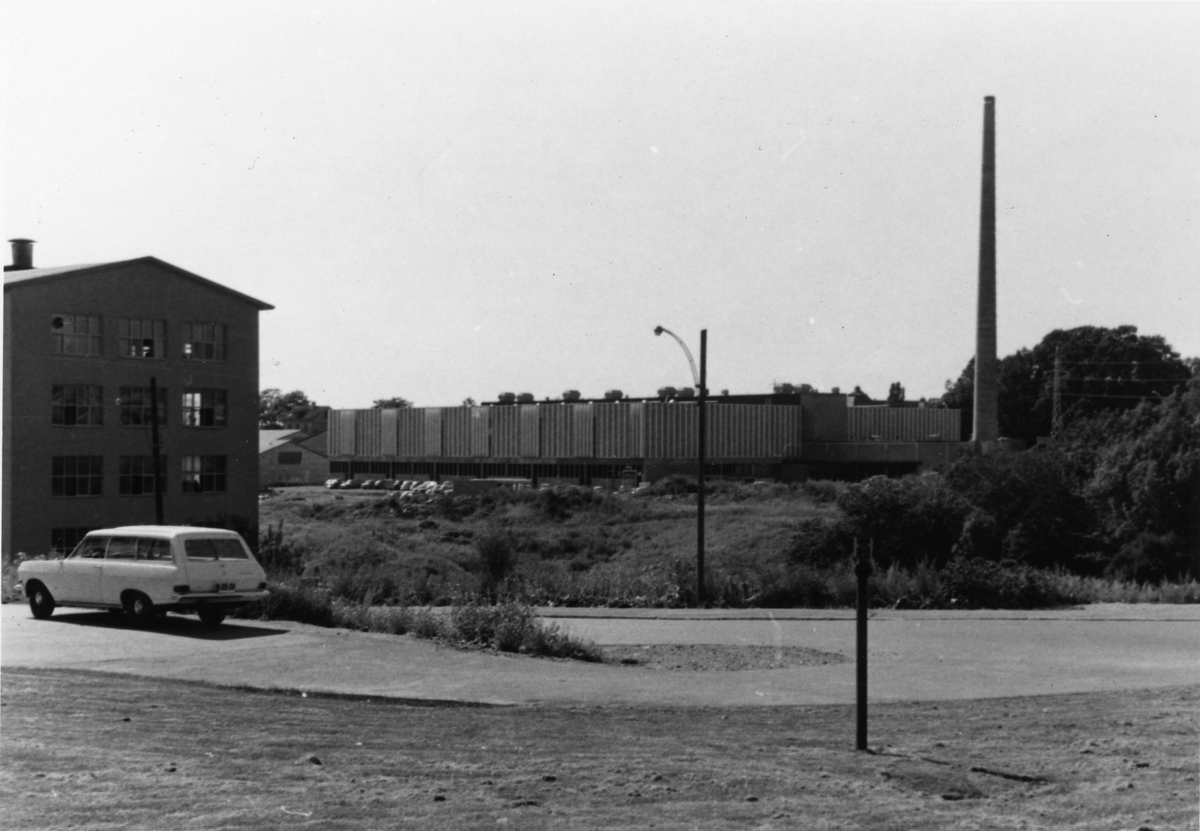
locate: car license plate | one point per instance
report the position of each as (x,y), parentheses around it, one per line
(223,587)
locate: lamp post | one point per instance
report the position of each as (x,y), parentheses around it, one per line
(700,380)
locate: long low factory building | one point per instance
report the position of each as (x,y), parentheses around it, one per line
(784,437)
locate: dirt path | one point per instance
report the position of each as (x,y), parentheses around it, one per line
(92,751)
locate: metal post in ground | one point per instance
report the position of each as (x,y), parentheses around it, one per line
(862,569)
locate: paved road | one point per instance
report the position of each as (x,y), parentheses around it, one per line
(913,655)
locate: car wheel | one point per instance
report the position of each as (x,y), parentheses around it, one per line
(41,602)
(211,617)
(140,609)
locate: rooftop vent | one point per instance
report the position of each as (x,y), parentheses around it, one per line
(613,395)
(507,397)
(22,254)
(571,395)
(525,398)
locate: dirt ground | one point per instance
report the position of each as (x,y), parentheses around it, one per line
(96,751)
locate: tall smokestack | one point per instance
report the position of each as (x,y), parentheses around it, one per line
(22,255)
(987,425)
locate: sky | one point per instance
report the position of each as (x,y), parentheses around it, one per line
(452,200)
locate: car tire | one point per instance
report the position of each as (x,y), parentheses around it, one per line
(139,609)
(41,602)
(211,617)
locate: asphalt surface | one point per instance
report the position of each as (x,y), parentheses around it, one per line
(912,656)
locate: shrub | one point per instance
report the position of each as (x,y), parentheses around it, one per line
(497,557)
(1151,558)
(914,519)
(301,603)
(971,583)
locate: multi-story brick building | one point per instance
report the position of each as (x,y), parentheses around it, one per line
(82,347)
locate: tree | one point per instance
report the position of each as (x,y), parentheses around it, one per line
(895,394)
(274,406)
(391,404)
(1146,482)
(468,402)
(1099,369)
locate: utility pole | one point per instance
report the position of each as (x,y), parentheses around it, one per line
(700,467)
(154,450)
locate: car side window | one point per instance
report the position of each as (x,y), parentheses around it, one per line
(214,549)
(157,550)
(92,548)
(122,548)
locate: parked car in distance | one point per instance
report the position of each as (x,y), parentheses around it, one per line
(146,571)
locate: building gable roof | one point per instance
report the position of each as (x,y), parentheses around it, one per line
(270,439)
(17,278)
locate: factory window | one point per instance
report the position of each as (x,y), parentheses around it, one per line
(142,338)
(64,540)
(134,403)
(76,475)
(204,474)
(289,458)
(136,475)
(204,408)
(76,405)
(72,334)
(204,341)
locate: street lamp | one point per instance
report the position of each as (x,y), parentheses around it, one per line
(700,380)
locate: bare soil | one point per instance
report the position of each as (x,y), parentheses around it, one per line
(99,751)
(717,658)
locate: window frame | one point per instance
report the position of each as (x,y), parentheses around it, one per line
(128,479)
(64,414)
(60,477)
(205,342)
(128,408)
(60,336)
(212,407)
(128,345)
(205,474)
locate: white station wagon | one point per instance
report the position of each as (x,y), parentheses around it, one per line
(148,570)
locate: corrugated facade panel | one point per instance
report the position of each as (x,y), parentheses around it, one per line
(433,431)
(410,432)
(619,430)
(506,432)
(531,430)
(557,430)
(367,433)
(903,424)
(341,432)
(465,432)
(456,431)
(670,430)
(387,432)
(583,436)
(749,431)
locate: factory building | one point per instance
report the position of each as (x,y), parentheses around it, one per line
(83,347)
(787,436)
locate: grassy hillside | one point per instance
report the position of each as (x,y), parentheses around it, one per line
(767,545)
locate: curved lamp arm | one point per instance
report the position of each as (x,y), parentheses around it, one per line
(658,330)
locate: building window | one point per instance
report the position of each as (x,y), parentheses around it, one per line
(136,475)
(204,474)
(135,406)
(75,334)
(204,408)
(289,458)
(204,341)
(76,475)
(64,540)
(142,338)
(76,405)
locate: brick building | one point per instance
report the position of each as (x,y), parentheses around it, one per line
(81,347)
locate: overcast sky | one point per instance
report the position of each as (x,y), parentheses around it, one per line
(454,199)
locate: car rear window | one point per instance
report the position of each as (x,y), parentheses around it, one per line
(214,549)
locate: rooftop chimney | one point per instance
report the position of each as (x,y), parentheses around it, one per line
(22,255)
(986,420)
